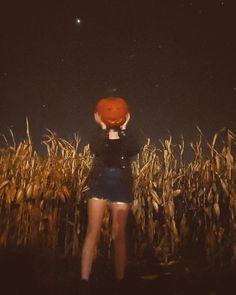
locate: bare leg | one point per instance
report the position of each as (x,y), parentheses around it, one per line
(120,213)
(96,210)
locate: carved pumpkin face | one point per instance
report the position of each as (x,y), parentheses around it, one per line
(113,110)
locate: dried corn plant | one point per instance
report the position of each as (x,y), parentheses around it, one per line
(180,206)
(177,205)
(40,198)
(156,184)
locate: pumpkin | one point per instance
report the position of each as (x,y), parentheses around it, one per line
(113,110)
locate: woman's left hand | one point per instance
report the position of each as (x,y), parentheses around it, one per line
(123,126)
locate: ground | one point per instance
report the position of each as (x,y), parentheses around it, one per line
(25,271)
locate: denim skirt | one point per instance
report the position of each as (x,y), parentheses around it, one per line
(110,184)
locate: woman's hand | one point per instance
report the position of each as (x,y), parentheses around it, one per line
(123,127)
(98,119)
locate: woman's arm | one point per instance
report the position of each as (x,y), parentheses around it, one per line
(132,141)
(98,141)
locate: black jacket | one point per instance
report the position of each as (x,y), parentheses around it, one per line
(114,153)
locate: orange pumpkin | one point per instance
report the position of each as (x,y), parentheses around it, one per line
(113,110)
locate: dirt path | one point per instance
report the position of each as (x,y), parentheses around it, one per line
(25,272)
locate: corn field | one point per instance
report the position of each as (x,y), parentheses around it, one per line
(178,206)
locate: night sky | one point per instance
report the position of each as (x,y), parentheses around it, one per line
(174,61)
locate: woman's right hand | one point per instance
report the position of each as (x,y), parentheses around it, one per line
(98,119)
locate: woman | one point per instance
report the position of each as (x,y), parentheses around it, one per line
(110,183)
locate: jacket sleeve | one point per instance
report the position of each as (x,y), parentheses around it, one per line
(132,141)
(98,141)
